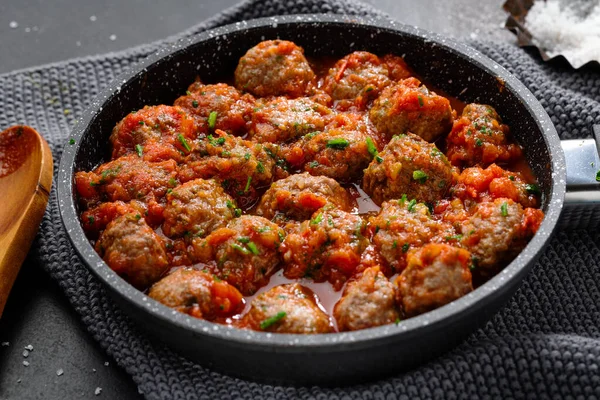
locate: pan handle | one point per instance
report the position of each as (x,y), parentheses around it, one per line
(582,200)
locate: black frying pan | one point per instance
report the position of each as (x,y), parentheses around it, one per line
(340,357)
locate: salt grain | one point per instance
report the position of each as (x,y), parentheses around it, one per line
(98,391)
(562,32)
(25,353)
(59,372)
(13,24)
(29,347)
(26,363)
(93,18)
(113,37)
(106,364)
(5,344)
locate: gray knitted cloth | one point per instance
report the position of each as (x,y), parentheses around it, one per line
(544,344)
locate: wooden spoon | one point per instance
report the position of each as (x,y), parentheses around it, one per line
(25,181)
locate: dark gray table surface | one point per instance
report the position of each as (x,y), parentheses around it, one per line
(34,32)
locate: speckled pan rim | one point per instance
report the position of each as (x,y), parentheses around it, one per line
(436,319)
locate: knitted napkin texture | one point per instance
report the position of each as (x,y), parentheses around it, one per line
(544,344)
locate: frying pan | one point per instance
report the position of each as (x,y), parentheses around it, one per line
(340,357)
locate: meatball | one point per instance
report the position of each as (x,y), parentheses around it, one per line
(197,293)
(218,106)
(133,250)
(152,133)
(368,301)
(479,138)
(241,166)
(245,253)
(497,231)
(435,275)
(289,308)
(340,152)
(327,247)
(409,106)
(274,68)
(96,219)
(357,78)
(300,195)
(408,165)
(477,184)
(402,225)
(196,208)
(127,178)
(282,120)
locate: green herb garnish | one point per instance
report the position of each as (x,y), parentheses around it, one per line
(337,143)
(272,320)
(411,205)
(405,247)
(252,247)
(71,141)
(212,119)
(371,147)
(420,101)
(183,142)
(420,176)
(139,149)
(194,103)
(248,184)
(478,142)
(317,219)
(504,209)
(532,188)
(239,248)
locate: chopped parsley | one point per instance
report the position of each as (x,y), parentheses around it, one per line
(405,247)
(504,209)
(194,103)
(453,237)
(395,244)
(248,184)
(512,177)
(91,219)
(71,141)
(183,142)
(216,142)
(212,119)
(313,164)
(238,212)
(247,156)
(139,149)
(420,101)
(420,176)
(260,168)
(598,176)
(337,143)
(379,159)
(229,204)
(141,122)
(272,320)
(478,142)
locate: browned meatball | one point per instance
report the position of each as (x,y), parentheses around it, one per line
(218,106)
(129,178)
(298,196)
(133,250)
(402,225)
(287,308)
(327,247)
(152,133)
(241,166)
(197,293)
(366,302)
(359,77)
(340,152)
(245,253)
(434,276)
(480,138)
(497,231)
(409,106)
(408,165)
(196,208)
(281,120)
(274,68)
